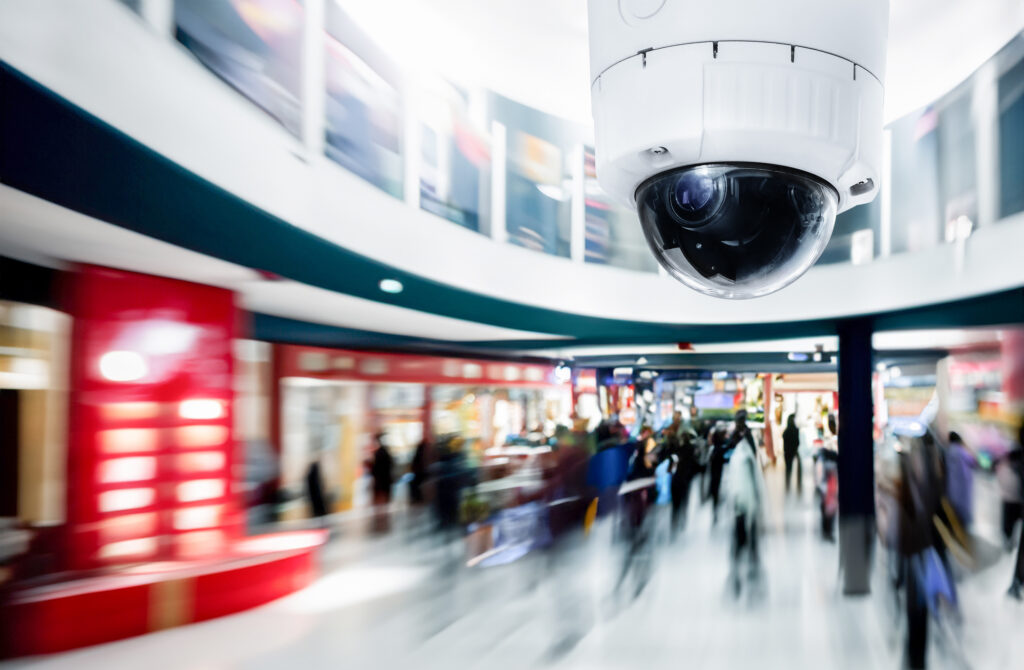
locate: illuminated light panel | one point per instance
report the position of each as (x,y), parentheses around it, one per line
(130,411)
(124,499)
(140,547)
(128,440)
(123,366)
(200,409)
(290,541)
(201,489)
(198,543)
(194,518)
(118,470)
(197,437)
(202,461)
(128,526)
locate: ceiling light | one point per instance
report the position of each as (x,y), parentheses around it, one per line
(641,361)
(391,286)
(798,357)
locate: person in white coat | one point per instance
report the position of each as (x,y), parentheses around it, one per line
(746,493)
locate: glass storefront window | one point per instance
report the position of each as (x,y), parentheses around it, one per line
(399,416)
(538,196)
(613,232)
(363,114)
(916,219)
(455,158)
(958,175)
(1011,131)
(253,45)
(856,235)
(539,186)
(34,347)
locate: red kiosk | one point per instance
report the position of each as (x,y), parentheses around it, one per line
(154,533)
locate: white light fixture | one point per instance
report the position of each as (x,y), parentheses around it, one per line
(641,361)
(123,366)
(880,367)
(391,286)
(817,356)
(895,372)
(563,373)
(798,357)
(200,409)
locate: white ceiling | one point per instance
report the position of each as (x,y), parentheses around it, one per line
(535,51)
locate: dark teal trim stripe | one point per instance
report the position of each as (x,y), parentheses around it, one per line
(269,328)
(54,150)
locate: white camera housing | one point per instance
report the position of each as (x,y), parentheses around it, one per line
(792,86)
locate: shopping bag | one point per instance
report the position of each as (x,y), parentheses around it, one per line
(938,585)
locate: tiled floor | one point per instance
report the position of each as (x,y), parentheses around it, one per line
(392,604)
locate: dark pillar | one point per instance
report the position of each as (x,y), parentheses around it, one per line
(856,456)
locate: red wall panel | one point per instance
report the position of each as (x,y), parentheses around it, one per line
(150,434)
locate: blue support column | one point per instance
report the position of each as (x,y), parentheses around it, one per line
(856,456)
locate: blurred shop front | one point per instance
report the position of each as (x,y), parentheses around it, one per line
(335,403)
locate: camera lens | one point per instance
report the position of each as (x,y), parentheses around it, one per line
(695,197)
(736,231)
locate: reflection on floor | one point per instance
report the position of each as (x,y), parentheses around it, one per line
(394,603)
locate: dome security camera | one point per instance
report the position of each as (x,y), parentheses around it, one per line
(738,129)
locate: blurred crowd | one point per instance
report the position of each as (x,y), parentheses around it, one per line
(543,493)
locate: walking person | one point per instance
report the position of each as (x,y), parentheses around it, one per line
(791,453)
(683,456)
(746,492)
(382,472)
(919,502)
(828,480)
(717,467)
(419,469)
(1012,480)
(960,464)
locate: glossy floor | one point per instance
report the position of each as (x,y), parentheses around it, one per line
(392,603)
